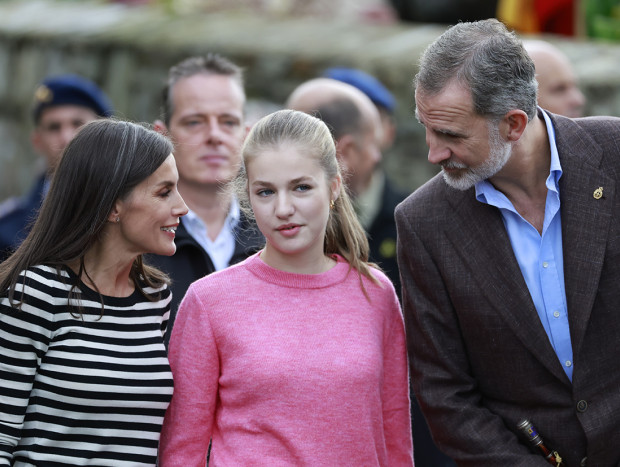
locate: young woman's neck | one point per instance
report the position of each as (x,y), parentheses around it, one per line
(297,264)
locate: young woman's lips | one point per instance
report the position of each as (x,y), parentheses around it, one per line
(289,230)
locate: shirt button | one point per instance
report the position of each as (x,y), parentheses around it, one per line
(545,264)
(582,406)
(568,363)
(556,314)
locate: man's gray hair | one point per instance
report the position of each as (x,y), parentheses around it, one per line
(488,60)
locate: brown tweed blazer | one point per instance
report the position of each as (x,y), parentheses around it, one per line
(480,358)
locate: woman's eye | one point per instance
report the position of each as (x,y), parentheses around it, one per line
(303,187)
(264,192)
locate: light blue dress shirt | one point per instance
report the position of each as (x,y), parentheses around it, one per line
(222,248)
(540,255)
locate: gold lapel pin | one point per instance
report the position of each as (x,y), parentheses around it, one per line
(598,193)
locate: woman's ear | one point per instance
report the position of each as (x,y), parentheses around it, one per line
(115,214)
(336,186)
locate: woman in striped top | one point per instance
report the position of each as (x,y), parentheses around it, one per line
(84,377)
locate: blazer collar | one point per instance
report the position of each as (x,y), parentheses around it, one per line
(481,240)
(586,220)
(479,228)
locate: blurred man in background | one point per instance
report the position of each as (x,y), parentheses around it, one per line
(62,104)
(376,200)
(204,115)
(558,91)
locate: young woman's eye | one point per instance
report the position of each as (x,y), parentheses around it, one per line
(303,187)
(264,192)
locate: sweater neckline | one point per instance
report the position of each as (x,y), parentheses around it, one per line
(92,294)
(263,271)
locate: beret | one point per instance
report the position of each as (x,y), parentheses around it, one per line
(70,90)
(366,83)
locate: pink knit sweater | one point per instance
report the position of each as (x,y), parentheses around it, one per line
(288,369)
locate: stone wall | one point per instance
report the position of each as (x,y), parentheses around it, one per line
(127,50)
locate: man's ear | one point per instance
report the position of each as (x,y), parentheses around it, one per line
(160,127)
(247,131)
(345,147)
(514,123)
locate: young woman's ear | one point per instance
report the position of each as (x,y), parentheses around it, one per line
(336,186)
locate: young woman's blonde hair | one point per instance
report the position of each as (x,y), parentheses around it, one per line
(344,234)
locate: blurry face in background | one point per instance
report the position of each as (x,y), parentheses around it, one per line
(388,122)
(558,90)
(57,127)
(363,159)
(207,128)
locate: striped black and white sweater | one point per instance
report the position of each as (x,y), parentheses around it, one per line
(81,390)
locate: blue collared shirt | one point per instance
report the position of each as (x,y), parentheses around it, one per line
(540,255)
(222,248)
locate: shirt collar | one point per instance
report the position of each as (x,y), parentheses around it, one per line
(192,221)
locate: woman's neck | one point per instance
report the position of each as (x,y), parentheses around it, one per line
(297,264)
(106,272)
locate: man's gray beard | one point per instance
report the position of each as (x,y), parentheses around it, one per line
(499,153)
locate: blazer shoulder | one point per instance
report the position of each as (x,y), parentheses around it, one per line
(594,141)
(587,130)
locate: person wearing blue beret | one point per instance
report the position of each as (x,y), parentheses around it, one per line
(378,94)
(62,104)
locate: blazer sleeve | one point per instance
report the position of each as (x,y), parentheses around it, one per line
(188,423)
(461,425)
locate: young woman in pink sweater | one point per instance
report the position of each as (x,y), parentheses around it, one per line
(296,356)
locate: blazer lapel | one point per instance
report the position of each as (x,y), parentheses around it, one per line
(585,222)
(479,228)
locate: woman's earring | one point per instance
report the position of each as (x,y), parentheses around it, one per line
(118,219)
(332,205)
